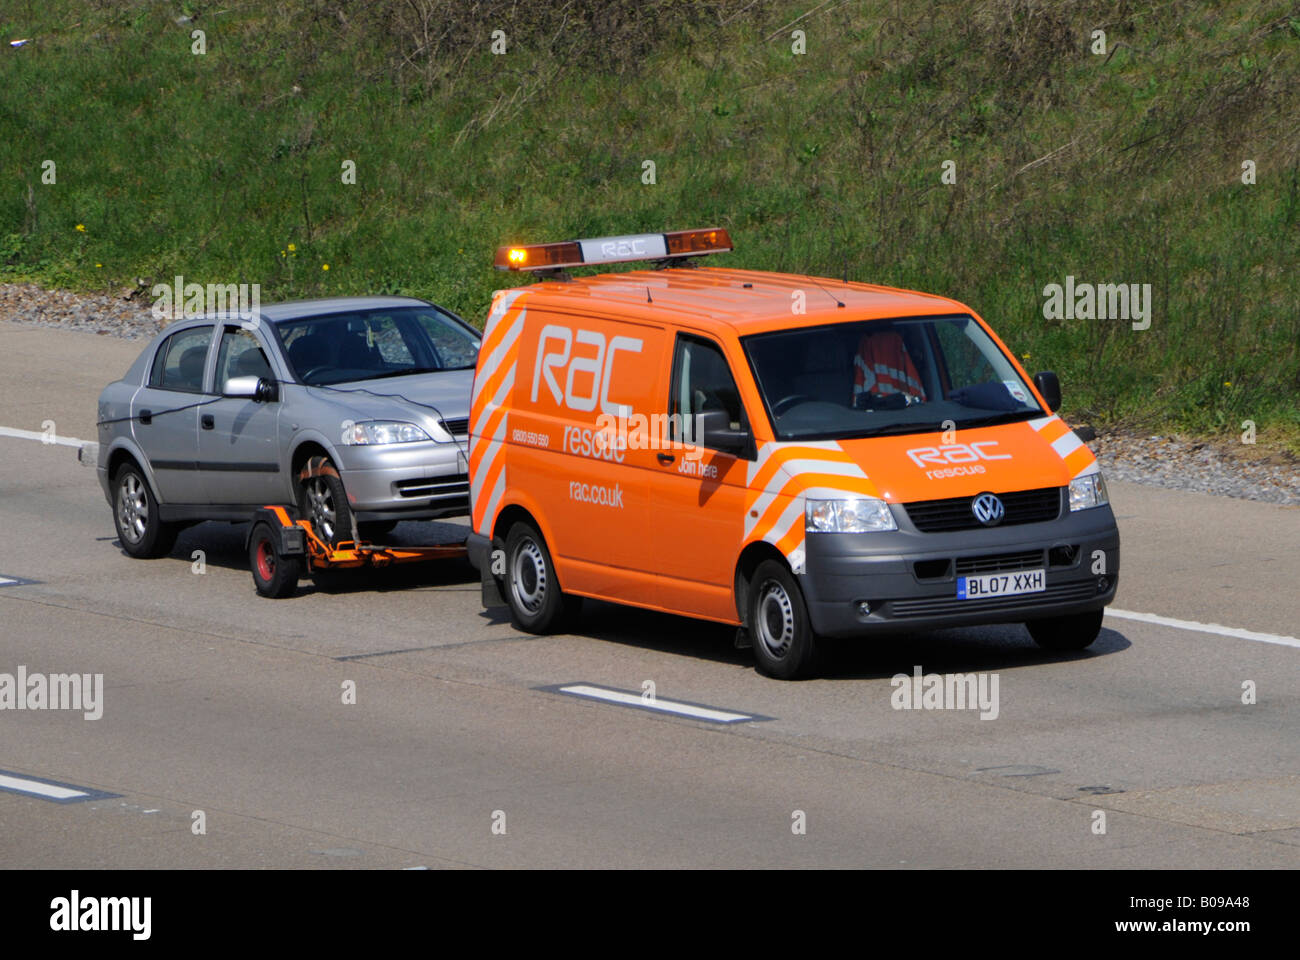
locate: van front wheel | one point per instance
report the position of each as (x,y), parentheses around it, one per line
(532,588)
(784,644)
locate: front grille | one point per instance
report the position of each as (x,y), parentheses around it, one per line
(1022,506)
(440,487)
(1000,563)
(458,427)
(949,604)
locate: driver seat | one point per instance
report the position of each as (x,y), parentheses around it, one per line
(882,366)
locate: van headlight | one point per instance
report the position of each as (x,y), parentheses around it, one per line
(1089,491)
(853,515)
(382,431)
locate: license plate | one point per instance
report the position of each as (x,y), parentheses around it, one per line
(1001,584)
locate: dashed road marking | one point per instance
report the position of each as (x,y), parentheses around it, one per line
(637,701)
(51,790)
(1215,628)
(7,581)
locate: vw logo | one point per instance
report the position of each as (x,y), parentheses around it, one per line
(988,509)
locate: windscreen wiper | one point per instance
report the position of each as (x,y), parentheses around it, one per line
(405,371)
(1008,416)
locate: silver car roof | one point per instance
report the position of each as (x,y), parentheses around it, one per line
(293,309)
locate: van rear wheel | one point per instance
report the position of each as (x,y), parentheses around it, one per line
(784,644)
(532,588)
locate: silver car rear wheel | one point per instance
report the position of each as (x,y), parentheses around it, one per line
(136,516)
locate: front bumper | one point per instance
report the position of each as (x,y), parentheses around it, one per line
(902,577)
(405,481)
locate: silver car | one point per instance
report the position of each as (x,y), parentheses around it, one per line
(354,409)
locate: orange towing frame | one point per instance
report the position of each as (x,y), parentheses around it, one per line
(282,547)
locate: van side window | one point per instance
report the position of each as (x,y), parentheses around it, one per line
(181,360)
(702,383)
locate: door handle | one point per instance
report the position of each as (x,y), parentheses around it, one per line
(666,458)
(207,421)
(146,416)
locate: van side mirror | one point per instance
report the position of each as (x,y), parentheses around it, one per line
(257,389)
(1050,387)
(716,433)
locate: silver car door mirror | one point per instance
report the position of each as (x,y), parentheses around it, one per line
(258,389)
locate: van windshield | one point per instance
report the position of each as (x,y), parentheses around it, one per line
(878,377)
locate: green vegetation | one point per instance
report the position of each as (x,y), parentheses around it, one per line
(1117,168)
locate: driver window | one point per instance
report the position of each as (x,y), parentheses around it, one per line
(701,383)
(240,355)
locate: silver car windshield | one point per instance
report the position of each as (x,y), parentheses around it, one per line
(370,344)
(877,377)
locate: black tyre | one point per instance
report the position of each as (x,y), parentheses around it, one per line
(375,530)
(135,514)
(323,501)
(532,589)
(1066,633)
(274,575)
(784,644)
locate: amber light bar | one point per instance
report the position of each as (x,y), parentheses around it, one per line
(626,249)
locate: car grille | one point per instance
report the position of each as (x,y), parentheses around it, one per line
(939,606)
(439,487)
(1022,506)
(458,427)
(1000,563)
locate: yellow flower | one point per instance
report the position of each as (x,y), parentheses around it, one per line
(1227,383)
(292,248)
(324,266)
(98,266)
(81,227)
(282,253)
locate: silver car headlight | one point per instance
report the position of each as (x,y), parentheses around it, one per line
(382,431)
(852,515)
(1089,491)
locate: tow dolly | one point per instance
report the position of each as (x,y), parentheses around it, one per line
(282,547)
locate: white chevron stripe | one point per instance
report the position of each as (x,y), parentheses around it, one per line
(1066,444)
(499,398)
(497,356)
(788,517)
(498,491)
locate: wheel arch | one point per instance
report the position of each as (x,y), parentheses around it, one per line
(126,452)
(753,554)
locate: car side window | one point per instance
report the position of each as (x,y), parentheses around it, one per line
(240,355)
(181,360)
(702,383)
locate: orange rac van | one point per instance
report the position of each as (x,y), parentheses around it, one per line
(800,457)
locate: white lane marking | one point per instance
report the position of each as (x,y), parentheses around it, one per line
(664,706)
(36,788)
(36,435)
(1222,631)
(4,580)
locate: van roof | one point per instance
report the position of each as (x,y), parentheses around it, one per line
(748,301)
